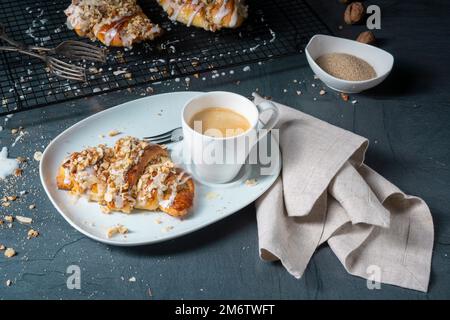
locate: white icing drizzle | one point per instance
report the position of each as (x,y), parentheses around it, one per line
(234,16)
(194,14)
(7,166)
(223,11)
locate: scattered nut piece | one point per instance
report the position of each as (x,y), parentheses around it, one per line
(113,133)
(11,198)
(10,252)
(344,96)
(1,222)
(9,219)
(115,230)
(24,220)
(32,234)
(21,159)
(37,156)
(18,172)
(132,279)
(354,13)
(2,247)
(366,37)
(31,206)
(8,283)
(6,204)
(322,92)
(14,131)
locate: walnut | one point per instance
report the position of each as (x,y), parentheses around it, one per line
(366,37)
(354,13)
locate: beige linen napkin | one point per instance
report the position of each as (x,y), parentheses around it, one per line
(327,194)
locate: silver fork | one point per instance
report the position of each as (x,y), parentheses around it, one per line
(75,50)
(69,48)
(170,136)
(59,68)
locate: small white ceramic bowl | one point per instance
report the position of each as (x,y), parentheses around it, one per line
(380,60)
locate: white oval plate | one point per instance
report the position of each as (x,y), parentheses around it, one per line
(139,118)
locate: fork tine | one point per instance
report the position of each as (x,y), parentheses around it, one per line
(87,55)
(69,68)
(167,134)
(162,141)
(66,72)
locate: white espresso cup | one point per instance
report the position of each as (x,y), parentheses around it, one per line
(219,159)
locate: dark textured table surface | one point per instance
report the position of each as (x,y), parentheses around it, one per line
(406,119)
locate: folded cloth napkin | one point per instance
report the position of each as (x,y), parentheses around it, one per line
(327,194)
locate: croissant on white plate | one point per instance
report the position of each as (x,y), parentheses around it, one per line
(210,15)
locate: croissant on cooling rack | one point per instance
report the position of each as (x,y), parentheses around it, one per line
(119,23)
(132,174)
(210,15)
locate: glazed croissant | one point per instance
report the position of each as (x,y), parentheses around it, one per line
(133,174)
(210,15)
(119,23)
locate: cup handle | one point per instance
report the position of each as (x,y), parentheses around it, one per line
(273,120)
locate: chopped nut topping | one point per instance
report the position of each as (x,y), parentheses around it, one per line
(11,198)
(18,172)
(9,219)
(10,252)
(2,247)
(31,206)
(6,204)
(21,159)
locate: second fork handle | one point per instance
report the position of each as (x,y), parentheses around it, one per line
(23,51)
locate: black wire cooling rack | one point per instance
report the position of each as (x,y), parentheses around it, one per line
(273,29)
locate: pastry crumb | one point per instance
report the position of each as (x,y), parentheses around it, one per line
(113,133)
(167,229)
(251,182)
(10,252)
(212,195)
(115,230)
